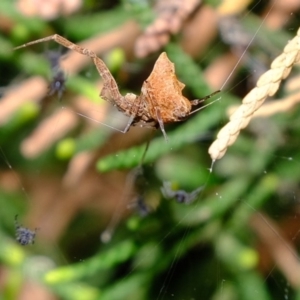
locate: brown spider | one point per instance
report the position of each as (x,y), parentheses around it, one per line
(161,100)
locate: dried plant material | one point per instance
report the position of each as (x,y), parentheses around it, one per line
(280,12)
(267,85)
(48,10)
(91,111)
(218,71)
(77,168)
(170,16)
(161,100)
(34,88)
(50,130)
(274,107)
(10,181)
(33,289)
(233,33)
(131,178)
(293,84)
(195,38)
(241,41)
(233,7)
(283,252)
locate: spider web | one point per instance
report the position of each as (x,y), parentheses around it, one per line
(201,256)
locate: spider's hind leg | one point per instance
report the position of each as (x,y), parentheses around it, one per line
(129,123)
(161,124)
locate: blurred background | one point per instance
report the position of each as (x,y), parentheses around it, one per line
(105,230)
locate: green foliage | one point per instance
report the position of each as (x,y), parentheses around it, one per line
(203,250)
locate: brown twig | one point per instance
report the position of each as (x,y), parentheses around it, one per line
(282,251)
(49,131)
(169,20)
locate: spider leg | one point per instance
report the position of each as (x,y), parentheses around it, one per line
(131,119)
(197,101)
(161,123)
(109,81)
(192,112)
(193,195)
(106,125)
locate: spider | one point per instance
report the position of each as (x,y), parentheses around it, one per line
(161,100)
(140,206)
(24,235)
(57,84)
(181,196)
